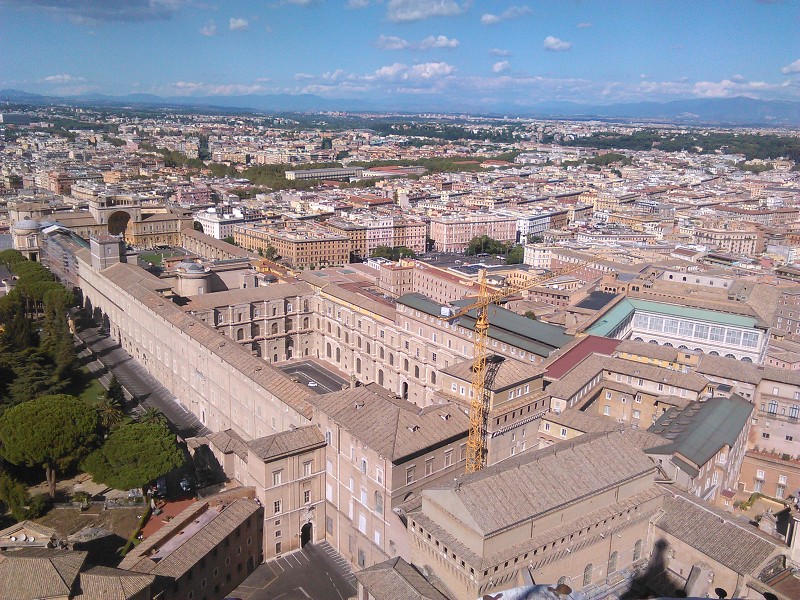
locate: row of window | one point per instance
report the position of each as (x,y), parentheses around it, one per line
(699,331)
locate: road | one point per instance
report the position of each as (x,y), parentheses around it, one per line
(142,389)
(316,572)
(308,371)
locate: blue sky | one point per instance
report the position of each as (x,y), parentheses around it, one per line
(593,51)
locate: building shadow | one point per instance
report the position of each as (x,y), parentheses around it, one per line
(652,579)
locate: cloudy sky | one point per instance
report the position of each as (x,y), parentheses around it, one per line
(595,51)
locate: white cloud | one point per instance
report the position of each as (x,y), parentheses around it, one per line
(62,78)
(499,52)
(420,72)
(738,77)
(554,44)
(237,24)
(357,4)
(793,67)
(209,29)
(194,88)
(714,89)
(438,41)
(584,25)
(302,76)
(512,12)
(501,66)
(417,10)
(391,42)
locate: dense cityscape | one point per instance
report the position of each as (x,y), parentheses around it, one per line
(413,299)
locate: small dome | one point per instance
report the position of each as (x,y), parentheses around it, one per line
(27,225)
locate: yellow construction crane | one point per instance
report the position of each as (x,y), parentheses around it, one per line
(479,404)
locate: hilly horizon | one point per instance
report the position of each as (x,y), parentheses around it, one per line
(739,110)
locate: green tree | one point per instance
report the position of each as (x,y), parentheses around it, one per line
(133,455)
(152,414)
(11,257)
(483,244)
(109,414)
(115,393)
(515,255)
(54,432)
(270,253)
(14,495)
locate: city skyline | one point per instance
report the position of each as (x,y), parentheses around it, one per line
(523,52)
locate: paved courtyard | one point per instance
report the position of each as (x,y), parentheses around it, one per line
(315,376)
(316,572)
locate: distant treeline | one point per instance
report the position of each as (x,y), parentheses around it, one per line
(751,145)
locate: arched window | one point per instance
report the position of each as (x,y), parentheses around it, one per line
(391,359)
(381,353)
(358,365)
(416,371)
(305,322)
(405,364)
(305,305)
(637,550)
(329,327)
(256,330)
(240,334)
(358,341)
(338,355)
(433,378)
(587,574)
(612,563)
(274,328)
(369,348)
(380,377)
(328,351)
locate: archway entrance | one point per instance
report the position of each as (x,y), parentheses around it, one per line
(404,391)
(118,222)
(306,534)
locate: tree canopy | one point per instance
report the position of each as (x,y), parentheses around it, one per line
(54,432)
(483,244)
(133,455)
(395,253)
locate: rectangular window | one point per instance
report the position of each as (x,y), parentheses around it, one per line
(277,476)
(448,458)
(429,467)
(306,468)
(307,497)
(606,410)
(277,548)
(277,507)
(379,475)
(410,476)
(463,452)
(563,432)
(362,523)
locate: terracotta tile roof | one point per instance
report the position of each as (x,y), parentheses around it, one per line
(286,443)
(103,583)
(503,495)
(201,527)
(229,441)
(395,579)
(731,541)
(509,373)
(392,427)
(274,291)
(562,363)
(29,574)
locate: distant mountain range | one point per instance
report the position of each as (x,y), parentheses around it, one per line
(725,111)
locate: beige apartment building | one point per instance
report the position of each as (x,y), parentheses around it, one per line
(368,231)
(452,233)
(287,471)
(381,452)
(301,245)
(739,241)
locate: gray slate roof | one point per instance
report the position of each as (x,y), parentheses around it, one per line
(701,429)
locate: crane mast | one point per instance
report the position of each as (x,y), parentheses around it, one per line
(476,442)
(479,403)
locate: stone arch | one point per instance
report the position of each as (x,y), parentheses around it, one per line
(118,222)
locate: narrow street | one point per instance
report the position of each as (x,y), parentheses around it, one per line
(105,357)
